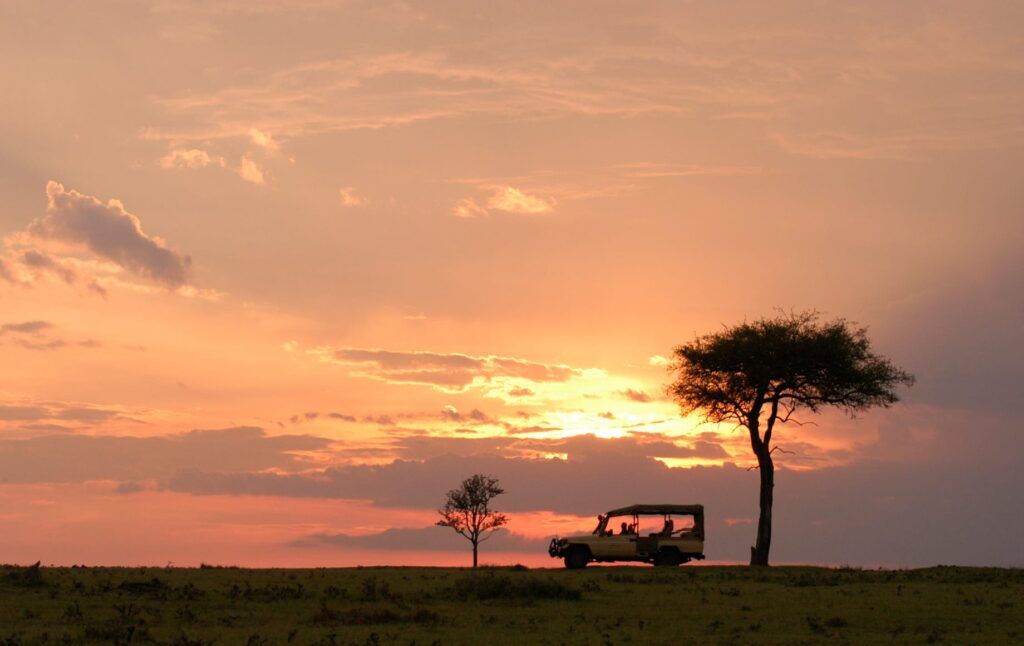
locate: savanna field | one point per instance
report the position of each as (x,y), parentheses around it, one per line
(598,605)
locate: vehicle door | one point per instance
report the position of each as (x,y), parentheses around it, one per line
(684,538)
(620,546)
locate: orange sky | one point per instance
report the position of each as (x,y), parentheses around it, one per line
(370,248)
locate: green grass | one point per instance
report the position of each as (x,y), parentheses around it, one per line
(641,605)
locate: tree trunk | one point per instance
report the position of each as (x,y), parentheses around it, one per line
(759,552)
(474,553)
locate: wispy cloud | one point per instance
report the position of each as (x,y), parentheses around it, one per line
(467,208)
(376,92)
(53,411)
(444,371)
(651,170)
(40,335)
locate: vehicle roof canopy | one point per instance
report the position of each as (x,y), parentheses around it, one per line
(657,510)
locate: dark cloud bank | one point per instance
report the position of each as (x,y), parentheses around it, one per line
(958,505)
(73,457)
(872,513)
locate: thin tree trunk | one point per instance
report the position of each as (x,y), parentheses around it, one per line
(759,552)
(474,553)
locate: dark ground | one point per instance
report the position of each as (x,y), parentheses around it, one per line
(641,605)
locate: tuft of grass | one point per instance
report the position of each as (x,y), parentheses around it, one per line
(488,586)
(373,616)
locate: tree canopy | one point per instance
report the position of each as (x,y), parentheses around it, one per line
(780,365)
(758,374)
(467,510)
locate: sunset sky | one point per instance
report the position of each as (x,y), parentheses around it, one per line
(275,275)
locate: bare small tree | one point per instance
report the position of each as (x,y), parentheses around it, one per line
(468,511)
(756,375)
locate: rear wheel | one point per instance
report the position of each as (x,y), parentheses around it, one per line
(576,558)
(668,558)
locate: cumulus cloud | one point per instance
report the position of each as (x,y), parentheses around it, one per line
(513,200)
(250,171)
(262,139)
(452,371)
(504,198)
(106,230)
(189,158)
(349,197)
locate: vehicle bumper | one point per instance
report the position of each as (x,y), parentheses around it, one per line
(557,548)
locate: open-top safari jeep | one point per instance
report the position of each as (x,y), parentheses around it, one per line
(665,542)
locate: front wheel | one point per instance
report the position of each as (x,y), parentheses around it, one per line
(668,559)
(576,558)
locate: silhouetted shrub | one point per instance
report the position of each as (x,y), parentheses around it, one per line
(185,640)
(836,622)
(372,590)
(73,612)
(27,577)
(189,592)
(152,588)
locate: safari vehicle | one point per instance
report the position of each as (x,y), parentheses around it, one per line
(663,542)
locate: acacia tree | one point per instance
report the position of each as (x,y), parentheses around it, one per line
(467,510)
(759,374)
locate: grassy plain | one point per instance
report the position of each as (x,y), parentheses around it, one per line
(597,605)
